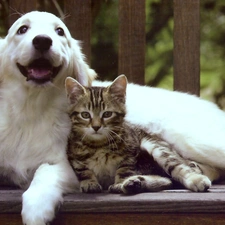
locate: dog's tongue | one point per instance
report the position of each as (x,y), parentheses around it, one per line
(39,74)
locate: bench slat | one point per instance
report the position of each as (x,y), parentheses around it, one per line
(187,46)
(181,201)
(79,22)
(125,219)
(132,39)
(173,206)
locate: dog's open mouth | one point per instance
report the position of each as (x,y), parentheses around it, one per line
(40,71)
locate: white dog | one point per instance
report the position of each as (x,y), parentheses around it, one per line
(195,128)
(35,58)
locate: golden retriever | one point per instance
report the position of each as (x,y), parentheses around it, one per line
(36,56)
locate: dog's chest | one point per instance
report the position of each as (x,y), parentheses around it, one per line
(30,137)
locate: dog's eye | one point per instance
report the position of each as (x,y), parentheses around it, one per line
(60,31)
(22,30)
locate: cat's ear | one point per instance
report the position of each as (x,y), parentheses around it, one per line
(73,89)
(118,87)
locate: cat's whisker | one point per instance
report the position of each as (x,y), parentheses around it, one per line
(83,137)
(114,141)
(117,135)
(111,140)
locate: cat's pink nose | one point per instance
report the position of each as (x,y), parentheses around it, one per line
(96,128)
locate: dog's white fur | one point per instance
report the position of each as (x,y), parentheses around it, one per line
(34,125)
(193,126)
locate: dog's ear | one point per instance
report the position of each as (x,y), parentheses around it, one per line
(81,70)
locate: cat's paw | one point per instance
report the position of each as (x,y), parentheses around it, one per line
(132,185)
(145,183)
(115,188)
(197,183)
(90,187)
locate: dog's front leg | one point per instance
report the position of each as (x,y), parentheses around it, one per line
(45,194)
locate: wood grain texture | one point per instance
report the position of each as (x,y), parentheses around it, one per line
(132,39)
(167,207)
(181,201)
(125,219)
(79,22)
(187,46)
(142,219)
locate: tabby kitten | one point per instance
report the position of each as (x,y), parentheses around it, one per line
(106,152)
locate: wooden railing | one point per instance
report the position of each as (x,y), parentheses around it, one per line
(187,46)
(132,36)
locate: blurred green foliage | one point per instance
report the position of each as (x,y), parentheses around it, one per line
(159,43)
(213,50)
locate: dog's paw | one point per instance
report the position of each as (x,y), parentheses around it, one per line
(115,188)
(197,183)
(90,187)
(37,210)
(132,185)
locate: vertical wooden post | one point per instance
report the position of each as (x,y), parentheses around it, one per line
(132,39)
(18,7)
(187,46)
(79,22)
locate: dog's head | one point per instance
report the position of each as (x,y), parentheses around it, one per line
(40,49)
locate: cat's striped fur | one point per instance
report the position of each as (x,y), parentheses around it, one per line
(108,153)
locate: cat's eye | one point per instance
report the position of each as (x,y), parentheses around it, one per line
(86,115)
(107,114)
(22,30)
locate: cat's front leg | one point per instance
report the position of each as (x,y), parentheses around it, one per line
(194,179)
(116,188)
(123,172)
(90,186)
(88,180)
(145,183)
(184,171)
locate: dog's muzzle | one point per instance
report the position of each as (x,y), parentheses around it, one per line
(40,71)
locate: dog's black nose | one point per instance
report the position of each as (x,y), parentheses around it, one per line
(42,42)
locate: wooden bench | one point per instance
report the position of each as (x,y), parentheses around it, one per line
(172,207)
